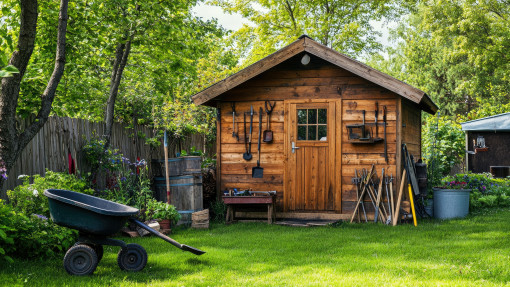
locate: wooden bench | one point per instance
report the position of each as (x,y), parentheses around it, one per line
(232,201)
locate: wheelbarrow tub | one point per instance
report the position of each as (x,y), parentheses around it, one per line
(86,213)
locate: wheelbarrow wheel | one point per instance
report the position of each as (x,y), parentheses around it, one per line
(80,260)
(97,247)
(132,258)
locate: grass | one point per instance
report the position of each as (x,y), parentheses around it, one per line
(468,252)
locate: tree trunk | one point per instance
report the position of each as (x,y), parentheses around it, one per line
(13,141)
(121,56)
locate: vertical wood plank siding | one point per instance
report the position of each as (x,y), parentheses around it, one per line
(318,80)
(49,148)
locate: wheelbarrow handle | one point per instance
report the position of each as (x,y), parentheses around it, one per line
(183,247)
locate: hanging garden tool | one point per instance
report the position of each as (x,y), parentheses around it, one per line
(376,115)
(268,134)
(234,133)
(257,171)
(385,143)
(247,140)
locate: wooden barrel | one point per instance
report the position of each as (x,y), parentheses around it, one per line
(186,191)
(174,166)
(191,164)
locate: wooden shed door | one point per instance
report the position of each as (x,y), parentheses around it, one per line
(310,154)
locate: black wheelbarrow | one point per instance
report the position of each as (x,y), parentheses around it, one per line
(96,219)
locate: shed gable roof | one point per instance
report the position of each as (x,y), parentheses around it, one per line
(306,44)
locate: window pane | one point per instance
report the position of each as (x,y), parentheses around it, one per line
(323,116)
(301,133)
(323,133)
(312,116)
(312,133)
(301,115)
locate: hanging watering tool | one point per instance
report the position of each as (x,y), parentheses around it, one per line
(257,171)
(247,154)
(234,133)
(268,134)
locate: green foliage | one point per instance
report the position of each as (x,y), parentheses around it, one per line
(8,71)
(488,192)
(31,236)
(7,228)
(218,210)
(29,199)
(456,51)
(343,25)
(442,146)
(127,182)
(162,210)
(99,158)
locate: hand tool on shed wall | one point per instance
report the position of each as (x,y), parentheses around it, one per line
(391,198)
(376,115)
(257,171)
(365,181)
(390,211)
(385,142)
(247,138)
(379,193)
(399,198)
(167,172)
(358,181)
(234,133)
(268,134)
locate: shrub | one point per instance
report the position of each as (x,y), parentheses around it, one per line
(31,236)
(161,210)
(442,145)
(6,230)
(29,199)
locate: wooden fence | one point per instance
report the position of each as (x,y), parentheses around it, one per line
(49,148)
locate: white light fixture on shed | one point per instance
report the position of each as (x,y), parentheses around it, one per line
(305,60)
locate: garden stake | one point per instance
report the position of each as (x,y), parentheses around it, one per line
(412,205)
(399,199)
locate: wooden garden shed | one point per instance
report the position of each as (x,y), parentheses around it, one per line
(318,93)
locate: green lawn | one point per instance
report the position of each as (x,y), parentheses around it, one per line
(469,252)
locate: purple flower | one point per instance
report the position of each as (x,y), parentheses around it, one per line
(42,217)
(4,175)
(123,178)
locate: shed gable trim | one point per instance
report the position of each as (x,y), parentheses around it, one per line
(305,44)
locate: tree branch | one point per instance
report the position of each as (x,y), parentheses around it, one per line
(51,88)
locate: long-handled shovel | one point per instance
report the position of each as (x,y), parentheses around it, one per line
(167,172)
(257,171)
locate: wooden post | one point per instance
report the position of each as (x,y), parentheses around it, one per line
(167,172)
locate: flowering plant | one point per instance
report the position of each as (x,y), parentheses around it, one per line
(454,185)
(3,170)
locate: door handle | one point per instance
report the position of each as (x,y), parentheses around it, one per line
(294,147)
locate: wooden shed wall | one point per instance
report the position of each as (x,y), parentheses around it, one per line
(498,153)
(318,80)
(411,128)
